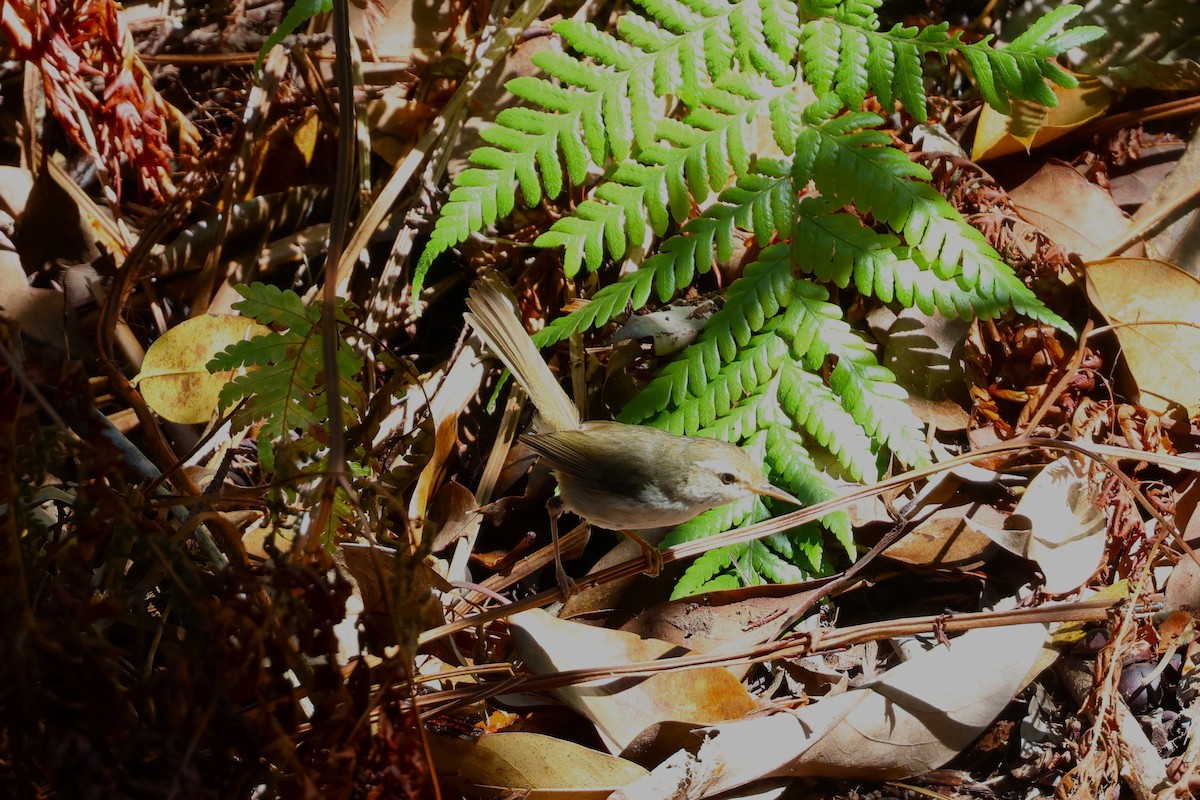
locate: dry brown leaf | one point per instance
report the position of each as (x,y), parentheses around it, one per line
(174,380)
(705,622)
(16,184)
(1144,175)
(1075,213)
(393,595)
(622,707)
(618,597)
(912,719)
(671,329)
(923,351)
(1187,512)
(1176,241)
(456,390)
(1178,75)
(392,118)
(1033,125)
(1058,524)
(1163,360)
(396,29)
(946,539)
(37,312)
(1183,584)
(919,715)
(452,516)
(543,765)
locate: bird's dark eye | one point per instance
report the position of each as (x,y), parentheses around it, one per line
(727,478)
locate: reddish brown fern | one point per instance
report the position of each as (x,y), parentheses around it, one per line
(99,90)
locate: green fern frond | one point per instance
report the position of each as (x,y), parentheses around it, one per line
(724,398)
(284,389)
(631,291)
(478,198)
(706,55)
(712,571)
(837,248)
(693,156)
(274,307)
(812,405)
(762,202)
(620,111)
(1025,65)
(767,566)
(713,522)
(869,392)
(765,287)
(664,111)
(794,469)
(770,55)
(857,167)
(803,546)
(773,559)
(861,13)
(772,322)
(844,55)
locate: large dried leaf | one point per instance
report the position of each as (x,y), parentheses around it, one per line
(16,184)
(396,29)
(1075,213)
(1177,241)
(1174,76)
(531,762)
(174,380)
(706,622)
(37,312)
(949,537)
(923,351)
(460,385)
(1163,359)
(1059,524)
(1183,584)
(1033,125)
(624,706)
(913,719)
(920,714)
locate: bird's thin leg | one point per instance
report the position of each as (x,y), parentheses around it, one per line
(654,559)
(565,584)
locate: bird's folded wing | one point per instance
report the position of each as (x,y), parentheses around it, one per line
(596,460)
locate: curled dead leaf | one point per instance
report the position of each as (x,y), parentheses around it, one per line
(912,719)
(1058,523)
(623,706)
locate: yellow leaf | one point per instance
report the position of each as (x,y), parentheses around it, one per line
(1163,359)
(1033,125)
(533,762)
(305,136)
(174,381)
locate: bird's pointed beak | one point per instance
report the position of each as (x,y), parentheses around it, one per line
(770,490)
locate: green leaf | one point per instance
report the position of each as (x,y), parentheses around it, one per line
(297,15)
(283,385)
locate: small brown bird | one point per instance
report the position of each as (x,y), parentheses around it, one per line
(618,476)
